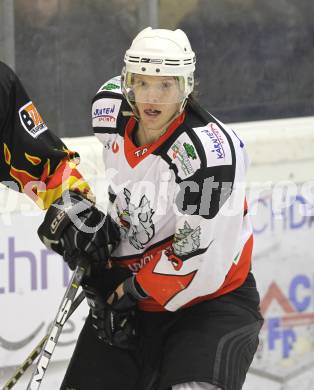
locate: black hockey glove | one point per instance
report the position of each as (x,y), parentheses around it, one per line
(73,226)
(115,319)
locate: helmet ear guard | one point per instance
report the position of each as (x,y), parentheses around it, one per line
(159,52)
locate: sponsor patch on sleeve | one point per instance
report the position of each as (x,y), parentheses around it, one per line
(216,145)
(113,85)
(105,112)
(31,120)
(184,155)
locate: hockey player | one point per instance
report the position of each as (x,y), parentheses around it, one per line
(188,317)
(36,162)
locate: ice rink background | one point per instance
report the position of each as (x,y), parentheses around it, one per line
(254,58)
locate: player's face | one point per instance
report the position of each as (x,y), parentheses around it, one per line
(157,98)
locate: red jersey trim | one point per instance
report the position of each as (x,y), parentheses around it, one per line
(234,279)
(135,154)
(137,262)
(160,286)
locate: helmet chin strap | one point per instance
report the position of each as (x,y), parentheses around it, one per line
(183,104)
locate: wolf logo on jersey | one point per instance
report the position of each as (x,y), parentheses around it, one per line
(187,240)
(136,221)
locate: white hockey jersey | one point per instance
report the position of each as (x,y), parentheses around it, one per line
(179,202)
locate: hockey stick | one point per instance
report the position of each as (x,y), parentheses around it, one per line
(56,328)
(36,351)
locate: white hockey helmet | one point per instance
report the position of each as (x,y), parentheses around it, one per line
(159,52)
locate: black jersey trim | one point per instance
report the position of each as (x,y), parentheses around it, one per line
(194,253)
(207,117)
(139,255)
(214,187)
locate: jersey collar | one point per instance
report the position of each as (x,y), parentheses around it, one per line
(135,154)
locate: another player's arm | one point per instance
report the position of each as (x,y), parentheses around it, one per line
(32,159)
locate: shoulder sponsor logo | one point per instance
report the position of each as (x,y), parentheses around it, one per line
(110,87)
(105,112)
(217,141)
(184,156)
(215,144)
(179,154)
(31,120)
(190,150)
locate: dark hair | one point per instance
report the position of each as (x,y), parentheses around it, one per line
(194,94)
(193,105)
